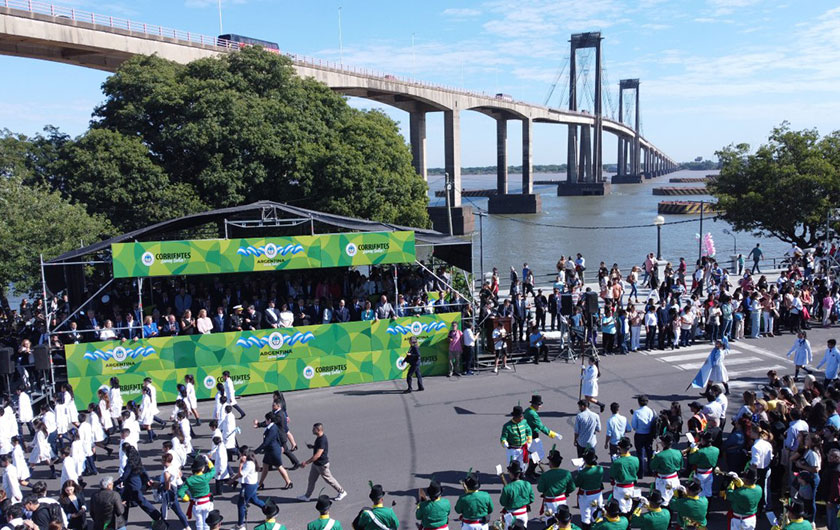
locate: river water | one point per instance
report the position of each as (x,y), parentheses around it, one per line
(536,239)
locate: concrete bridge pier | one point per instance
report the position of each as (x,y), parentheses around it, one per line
(417,133)
(513,203)
(462,216)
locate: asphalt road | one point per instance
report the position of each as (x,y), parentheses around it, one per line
(379,434)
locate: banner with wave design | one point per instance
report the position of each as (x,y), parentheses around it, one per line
(219,256)
(264,360)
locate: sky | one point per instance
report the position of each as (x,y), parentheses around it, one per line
(713,72)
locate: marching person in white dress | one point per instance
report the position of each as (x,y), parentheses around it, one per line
(19,459)
(88,445)
(147,413)
(98,429)
(220,462)
(8,429)
(11,481)
(147,383)
(104,408)
(191,399)
(590,383)
(228,427)
(69,467)
(70,404)
(186,431)
(41,450)
(220,401)
(801,351)
(25,414)
(115,402)
(230,393)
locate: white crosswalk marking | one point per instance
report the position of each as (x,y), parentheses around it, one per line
(739,373)
(729,362)
(691,356)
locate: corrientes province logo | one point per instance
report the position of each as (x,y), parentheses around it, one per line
(209,382)
(270,250)
(351,249)
(308,372)
(401,363)
(276,340)
(416,328)
(119,354)
(147,258)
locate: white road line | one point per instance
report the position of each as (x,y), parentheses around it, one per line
(756,369)
(696,347)
(733,362)
(690,356)
(762,351)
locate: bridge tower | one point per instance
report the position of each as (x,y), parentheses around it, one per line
(584,162)
(629,149)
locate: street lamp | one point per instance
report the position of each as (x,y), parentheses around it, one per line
(659,221)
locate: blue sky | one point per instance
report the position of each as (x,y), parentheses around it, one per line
(713,72)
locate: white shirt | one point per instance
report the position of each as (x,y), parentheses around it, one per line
(723,401)
(249,473)
(469,337)
(69,470)
(230,391)
(616,427)
(762,453)
(228,428)
(792,434)
(25,408)
(116,402)
(11,483)
(49,421)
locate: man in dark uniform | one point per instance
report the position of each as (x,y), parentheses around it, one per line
(553,307)
(235,321)
(412,359)
(541,305)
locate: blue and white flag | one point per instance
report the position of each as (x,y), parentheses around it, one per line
(702,378)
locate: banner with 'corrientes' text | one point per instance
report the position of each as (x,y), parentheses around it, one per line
(218,256)
(262,361)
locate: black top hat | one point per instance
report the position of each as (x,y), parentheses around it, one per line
(613,509)
(655,498)
(796,509)
(590,458)
(214,518)
(323,504)
(516,412)
(376,492)
(198,465)
(514,466)
(749,475)
(434,489)
(695,405)
(536,399)
(518,525)
(624,444)
(563,515)
(472,482)
(555,458)
(270,509)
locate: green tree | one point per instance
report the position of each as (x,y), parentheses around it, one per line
(784,189)
(244,127)
(113,175)
(39,221)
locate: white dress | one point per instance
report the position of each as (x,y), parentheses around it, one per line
(41,451)
(590,381)
(185,429)
(116,402)
(220,461)
(96,428)
(77,451)
(230,391)
(718,373)
(217,408)
(86,437)
(147,411)
(192,402)
(19,461)
(105,416)
(25,408)
(70,404)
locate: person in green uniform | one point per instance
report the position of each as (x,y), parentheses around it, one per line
(655,518)
(378,517)
(555,485)
(474,506)
(517,496)
(690,506)
(703,458)
(666,464)
(743,495)
(532,417)
(432,510)
(590,483)
(613,520)
(796,517)
(563,519)
(270,511)
(324,521)
(196,488)
(516,436)
(624,472)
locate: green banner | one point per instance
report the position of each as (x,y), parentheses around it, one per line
(262,361)
(217,256)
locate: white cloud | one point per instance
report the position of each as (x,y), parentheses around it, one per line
(727,7)
(656,27)
(201,4)
(461,12)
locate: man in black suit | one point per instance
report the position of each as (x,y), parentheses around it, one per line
(342,314)
(271,316)
(541,305)
(554,306)
(219,320)
(520,315)
(315,312)
(302,317)
(663,323)
(252,320)
(91,325)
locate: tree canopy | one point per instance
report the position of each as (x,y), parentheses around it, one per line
(785,189)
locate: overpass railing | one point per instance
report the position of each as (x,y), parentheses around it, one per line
(152,30)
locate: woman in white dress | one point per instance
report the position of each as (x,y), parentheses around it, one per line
(147,414)
(221,401)
(41,450)
(25,414)
(70,403)
(590,383)
(220,462)
(717,358)
(19,460)
(192,400)
(104,413)
(97,428)
(115,402)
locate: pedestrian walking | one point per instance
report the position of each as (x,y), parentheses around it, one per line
(516,437)
(802,354)
(589,387)
(320,462)
(412,359)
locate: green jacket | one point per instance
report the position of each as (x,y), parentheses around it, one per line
(556,482)
(799,524)
(534,421)
(590,478)
(197,485)
(433,514)
(690,509)
(516,494)
(744,500)
(386,516)
(605,524)
(474,505)
(271,524)
(625,470)
(704,457)
(516,434)
(666,462)
(656,519)
(319,524)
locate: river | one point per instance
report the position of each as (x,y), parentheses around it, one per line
(511,240)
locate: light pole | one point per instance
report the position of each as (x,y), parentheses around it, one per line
(481,216)
(734,241)
(659,221)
